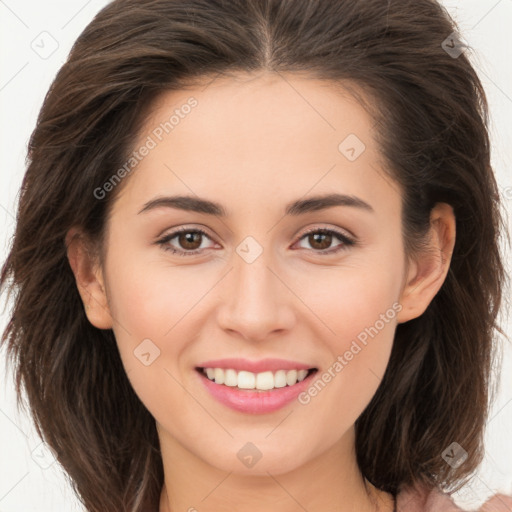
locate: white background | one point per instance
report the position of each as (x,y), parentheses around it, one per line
(31,27)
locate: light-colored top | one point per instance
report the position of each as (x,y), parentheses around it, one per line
(422,499)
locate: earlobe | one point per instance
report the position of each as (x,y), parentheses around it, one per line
(89,280)
(427,273)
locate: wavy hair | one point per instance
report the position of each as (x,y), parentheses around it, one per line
(432,118)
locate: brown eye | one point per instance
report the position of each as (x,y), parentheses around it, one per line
(321,239)
(190,240)
(184,241)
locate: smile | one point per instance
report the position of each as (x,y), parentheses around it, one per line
(255,392)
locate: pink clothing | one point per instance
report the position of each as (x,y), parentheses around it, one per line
(422,500)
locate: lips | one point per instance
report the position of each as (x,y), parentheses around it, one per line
(255,401)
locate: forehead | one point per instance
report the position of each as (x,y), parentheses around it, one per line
(254,108)
(249,135)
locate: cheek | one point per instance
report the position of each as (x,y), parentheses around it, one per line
(357,312)
(154,305)
(151,334)
(149,298)
(343,388)
(349,300)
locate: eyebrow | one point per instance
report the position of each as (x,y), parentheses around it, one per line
(298,207)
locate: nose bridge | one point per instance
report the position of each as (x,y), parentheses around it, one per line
(256,302)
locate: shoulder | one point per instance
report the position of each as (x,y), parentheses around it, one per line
(423,499)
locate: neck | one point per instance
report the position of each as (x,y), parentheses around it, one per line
(331,481)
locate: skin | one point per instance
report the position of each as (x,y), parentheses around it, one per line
(254,143)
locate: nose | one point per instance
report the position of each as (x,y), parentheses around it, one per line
(256,303)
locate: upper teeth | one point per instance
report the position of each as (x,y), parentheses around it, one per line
(248,380)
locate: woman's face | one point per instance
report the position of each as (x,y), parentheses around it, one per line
(256,285)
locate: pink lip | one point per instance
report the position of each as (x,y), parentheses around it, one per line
(253,401)
(262,365)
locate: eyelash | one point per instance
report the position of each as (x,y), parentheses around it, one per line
(347,242)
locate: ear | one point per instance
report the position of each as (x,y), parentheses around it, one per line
(426,274)
(89,279)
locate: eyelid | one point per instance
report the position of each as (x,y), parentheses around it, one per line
(173,230)
(344,234)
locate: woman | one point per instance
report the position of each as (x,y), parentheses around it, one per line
(257,261)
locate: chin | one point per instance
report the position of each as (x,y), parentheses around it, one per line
(257,460)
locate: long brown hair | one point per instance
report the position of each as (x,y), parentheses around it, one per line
(432,126)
